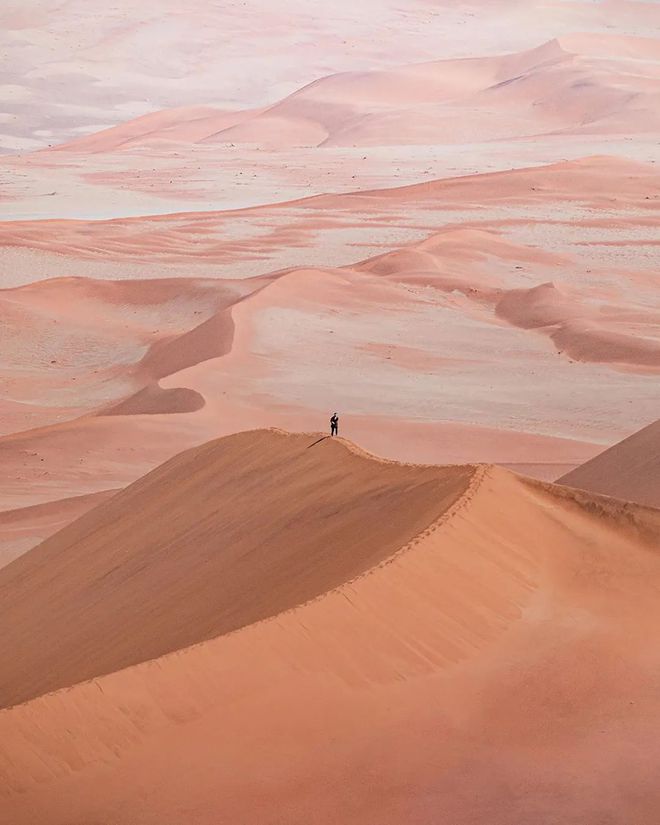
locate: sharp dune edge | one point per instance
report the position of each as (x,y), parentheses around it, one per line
(404,651)
(629,470)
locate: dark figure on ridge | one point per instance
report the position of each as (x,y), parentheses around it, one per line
(334,424)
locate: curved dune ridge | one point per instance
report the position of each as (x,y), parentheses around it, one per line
(114,339)
(77,601)
(629,470)
(403,635)
(133,333)
(579,84)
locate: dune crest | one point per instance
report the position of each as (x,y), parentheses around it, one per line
(497,600)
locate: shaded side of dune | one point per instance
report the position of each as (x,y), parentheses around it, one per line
(629,470)
(217,538)
(211,339)
(154,400)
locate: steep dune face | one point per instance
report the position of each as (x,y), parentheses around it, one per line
(629,470)
(217,538)
(509,642)
(587,331)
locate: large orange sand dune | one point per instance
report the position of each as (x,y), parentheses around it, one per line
(307,532)
(384,644)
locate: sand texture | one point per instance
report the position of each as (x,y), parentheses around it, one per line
(340,676)
(219,223)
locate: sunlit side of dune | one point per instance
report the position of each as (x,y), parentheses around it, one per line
(503,642)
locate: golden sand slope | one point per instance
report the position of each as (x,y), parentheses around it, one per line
(481,647)
(314,515)
(629,470)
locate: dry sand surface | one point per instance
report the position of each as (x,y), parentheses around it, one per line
(485,649)
(219,222)
(25,527)
(629,470)
(481,318)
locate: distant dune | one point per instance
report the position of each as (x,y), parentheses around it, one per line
(630,470)
(579,84)
(326,516)
(345,640)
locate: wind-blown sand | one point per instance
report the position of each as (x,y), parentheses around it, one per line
(494,658)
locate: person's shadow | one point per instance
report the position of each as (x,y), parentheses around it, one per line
(318,441)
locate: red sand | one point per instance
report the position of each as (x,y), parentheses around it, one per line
(498,665)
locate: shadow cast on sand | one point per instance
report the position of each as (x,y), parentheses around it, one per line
(318,441)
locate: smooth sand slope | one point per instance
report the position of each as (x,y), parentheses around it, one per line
(629,470)
(476,644)
(24,528)
(580,84)
(314,523)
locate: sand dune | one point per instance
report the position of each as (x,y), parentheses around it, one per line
(183,124)
(23,529)
(501,616)
(109,337)
(446,342)
(621,191)
(629,470)
(218,223)
(580,83)
(193,498)
(107,63)
(467,326)
(614,335)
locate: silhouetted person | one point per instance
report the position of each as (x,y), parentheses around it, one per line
(334,424)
